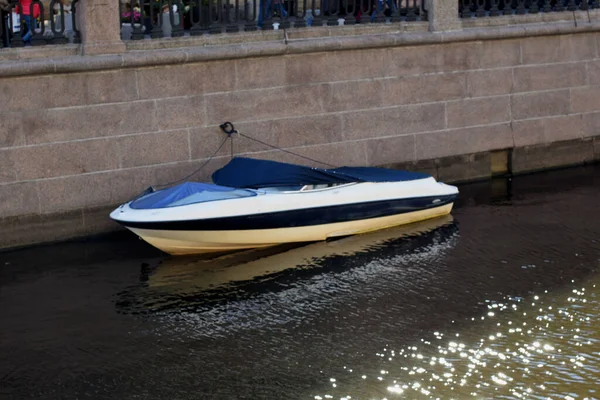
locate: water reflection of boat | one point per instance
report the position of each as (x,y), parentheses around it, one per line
(194,285)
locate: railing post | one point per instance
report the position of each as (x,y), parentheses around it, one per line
(100,31)
(443,15)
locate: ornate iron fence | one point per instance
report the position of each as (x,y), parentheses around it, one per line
(494,8)
(171,18)
(43,22)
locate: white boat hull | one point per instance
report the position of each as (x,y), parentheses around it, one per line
(182,242)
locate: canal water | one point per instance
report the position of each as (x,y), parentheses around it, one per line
(499,301)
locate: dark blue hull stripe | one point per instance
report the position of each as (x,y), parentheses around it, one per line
(302,217)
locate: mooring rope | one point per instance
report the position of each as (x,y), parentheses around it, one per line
(153,188)
(229,130)
(286,151)
(199,168)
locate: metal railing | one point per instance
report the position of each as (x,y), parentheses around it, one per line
(495,8)
(162,18)
(43,22)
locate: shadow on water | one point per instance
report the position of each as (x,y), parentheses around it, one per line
(114,318)
(292,274)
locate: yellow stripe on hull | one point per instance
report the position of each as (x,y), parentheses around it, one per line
(196,242)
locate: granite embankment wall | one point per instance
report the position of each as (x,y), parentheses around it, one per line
(79,135)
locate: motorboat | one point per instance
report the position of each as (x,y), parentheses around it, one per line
(256,203)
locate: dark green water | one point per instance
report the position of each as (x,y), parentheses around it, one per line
(500,301)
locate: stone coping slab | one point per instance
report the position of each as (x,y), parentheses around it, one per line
(277,44)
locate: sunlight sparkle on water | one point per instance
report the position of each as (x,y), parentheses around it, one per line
(497,362)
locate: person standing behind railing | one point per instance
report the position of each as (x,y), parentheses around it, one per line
(267,7)
(4,27)
(30,20)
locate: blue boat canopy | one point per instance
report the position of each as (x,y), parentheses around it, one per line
(188,193)
(243,172)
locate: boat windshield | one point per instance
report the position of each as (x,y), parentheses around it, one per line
(300,188)
(188,193)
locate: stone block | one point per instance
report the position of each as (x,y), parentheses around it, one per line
(564,48)
(196,170)
(460,56)
(19,199)
(541,104)
(352,95)
(304,130)
(546,77)
(563,128)
(552,155)
(597,148)
(464,168)
(282,133)
(97,220)
(66,124)
(585,99)
(255,105)
(40,92)
(204,141)
(328,155)
(426,166)
(153,148)
(122,186)
(24,93)
(591,124)
(499,53)
(593,72)
(68,90)
(40,228)
(61,159)
(180,112)
(73,192)
(121,85)
(424,89)
(362,64)
(172,81)
(11,133)
(27,93)
(258,73)
(186,80)
(412,60)
(463,141)
(391,150)
(394,121)
(478,55)
(489,82)
(161,175)
(219,76)
(8,172)
(480,111)
(545,130)
(311,68)
(528,132)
